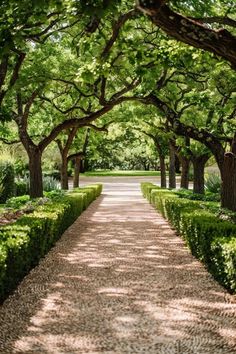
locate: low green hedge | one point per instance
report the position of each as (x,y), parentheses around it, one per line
(147,188)
(210,238)
(89,193)
(23,243)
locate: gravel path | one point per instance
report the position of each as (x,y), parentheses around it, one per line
(119,281)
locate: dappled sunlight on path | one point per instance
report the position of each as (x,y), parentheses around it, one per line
(119,281)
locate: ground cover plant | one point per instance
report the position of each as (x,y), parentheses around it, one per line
(209,231)
(39,225)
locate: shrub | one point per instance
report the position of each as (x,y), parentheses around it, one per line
(210,238)
(208,196)
(21,168)
(50,184)
(54,174)
(7,185)
(89,193)
(23,243)
(22,186)
(17,202)
(147,188)
(96,187)
(223,264)
(213,183)
(55,194)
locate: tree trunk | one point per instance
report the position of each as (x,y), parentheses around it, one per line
(198,173)
(185,164)
(82,166)
(172,177)
(84,161)
(64,173)
(228,176)
(35,169)
(76,172)
(177,164)
(163,171)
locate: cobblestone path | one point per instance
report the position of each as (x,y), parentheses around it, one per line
(119,281)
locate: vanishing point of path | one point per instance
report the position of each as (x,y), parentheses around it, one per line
(119,281)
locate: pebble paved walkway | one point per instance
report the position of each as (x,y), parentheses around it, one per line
(119,281)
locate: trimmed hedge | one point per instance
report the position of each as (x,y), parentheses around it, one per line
(210,238)
(23,243)
(89,193)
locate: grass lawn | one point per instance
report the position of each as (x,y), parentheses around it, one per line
(120,173)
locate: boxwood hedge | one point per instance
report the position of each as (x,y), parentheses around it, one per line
(210,238)
(23,243)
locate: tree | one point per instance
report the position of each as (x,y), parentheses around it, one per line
(57,89)
(80,67)
(182,150)
(225,160)
(34,23)
(69,136)
(192,31)
(154,129)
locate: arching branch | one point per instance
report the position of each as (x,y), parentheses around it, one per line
(220,42)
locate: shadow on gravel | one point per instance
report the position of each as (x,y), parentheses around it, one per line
(119,281)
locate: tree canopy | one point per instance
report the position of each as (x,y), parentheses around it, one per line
(158,71)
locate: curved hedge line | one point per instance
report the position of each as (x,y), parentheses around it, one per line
(23,243)
(210,238)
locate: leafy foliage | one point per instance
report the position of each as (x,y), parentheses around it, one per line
(213,183)
(7,184)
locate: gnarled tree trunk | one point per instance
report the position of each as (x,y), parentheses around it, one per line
(172,176)
(64,149)
(177,163)
(185,164)
(76,172)
(228,176)
(35,169)
(64,172)
(163,170)
(199,163)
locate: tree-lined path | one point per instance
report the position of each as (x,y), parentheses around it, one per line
(119,281)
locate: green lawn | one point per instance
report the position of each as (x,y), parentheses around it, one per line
(120,173)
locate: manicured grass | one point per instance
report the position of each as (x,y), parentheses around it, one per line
(120,173)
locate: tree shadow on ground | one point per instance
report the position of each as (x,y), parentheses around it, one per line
(126,286)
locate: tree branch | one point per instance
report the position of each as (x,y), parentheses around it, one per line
(223,20)
(76,155)
(126,89)
(81,122)
(17,67)
(116,30)
(104,128)
(220,42)
(201,135)
(8,142)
